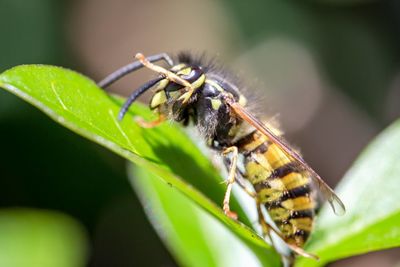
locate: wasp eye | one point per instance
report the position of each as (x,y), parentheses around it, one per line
(210,91)
(193,75)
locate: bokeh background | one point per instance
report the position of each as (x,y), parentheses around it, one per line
(329,69)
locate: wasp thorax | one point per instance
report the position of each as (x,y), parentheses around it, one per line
(213,114)
(210,91)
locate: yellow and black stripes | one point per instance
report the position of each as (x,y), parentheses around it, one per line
(192,91)
(282,186)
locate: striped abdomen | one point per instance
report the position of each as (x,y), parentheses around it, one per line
(281,185)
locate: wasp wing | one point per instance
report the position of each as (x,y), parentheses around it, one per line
(327,192)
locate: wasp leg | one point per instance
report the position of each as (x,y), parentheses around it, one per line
(230,181)
(187,95)
(247,189)
(267,229)
(150,124)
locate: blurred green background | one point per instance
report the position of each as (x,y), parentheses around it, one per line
(330,69)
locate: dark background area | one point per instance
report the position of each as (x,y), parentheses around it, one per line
(329,68)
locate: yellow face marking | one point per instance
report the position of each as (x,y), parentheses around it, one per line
(299,203)
(256,173)
(158,99)
(162,84)
(293,180)
(276,157)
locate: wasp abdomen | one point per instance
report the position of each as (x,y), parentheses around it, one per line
(283,187)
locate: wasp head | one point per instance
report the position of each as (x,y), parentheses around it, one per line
(168,96)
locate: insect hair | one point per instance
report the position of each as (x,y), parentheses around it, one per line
(212,67)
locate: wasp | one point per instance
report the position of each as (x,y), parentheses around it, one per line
(278,179)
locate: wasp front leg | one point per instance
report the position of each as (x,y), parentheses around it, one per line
(150,124)
(267,229)
(230,181)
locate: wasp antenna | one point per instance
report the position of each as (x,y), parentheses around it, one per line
(135,95)
(118,74)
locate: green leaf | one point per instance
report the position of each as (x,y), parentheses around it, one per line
(370,193)
(41,238)
(77,103)
(193,236)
